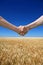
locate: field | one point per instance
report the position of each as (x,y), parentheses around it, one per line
(21,51)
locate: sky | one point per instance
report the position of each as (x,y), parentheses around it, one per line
(21,12)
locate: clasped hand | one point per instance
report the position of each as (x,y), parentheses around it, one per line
(22,30)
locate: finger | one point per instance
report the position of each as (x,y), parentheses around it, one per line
(22,34)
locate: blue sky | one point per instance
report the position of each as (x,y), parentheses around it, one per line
(21,12)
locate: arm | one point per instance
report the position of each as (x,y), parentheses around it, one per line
(36,23)
(8,25)
(24,29)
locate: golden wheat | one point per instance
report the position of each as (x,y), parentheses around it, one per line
(21,51)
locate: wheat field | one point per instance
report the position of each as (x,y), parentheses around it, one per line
(21,51)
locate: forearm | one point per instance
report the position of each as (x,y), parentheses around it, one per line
(36,23)
(8,25)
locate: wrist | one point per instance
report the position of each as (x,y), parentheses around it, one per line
(27,27)
(17,30)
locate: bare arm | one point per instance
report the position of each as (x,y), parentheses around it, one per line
(8,25)
(36,23)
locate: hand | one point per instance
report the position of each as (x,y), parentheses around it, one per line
(22,30)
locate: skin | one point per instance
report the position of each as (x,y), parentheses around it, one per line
(22,30)
(26,28)
(8,25)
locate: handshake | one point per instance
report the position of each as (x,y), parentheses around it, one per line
(22,30)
